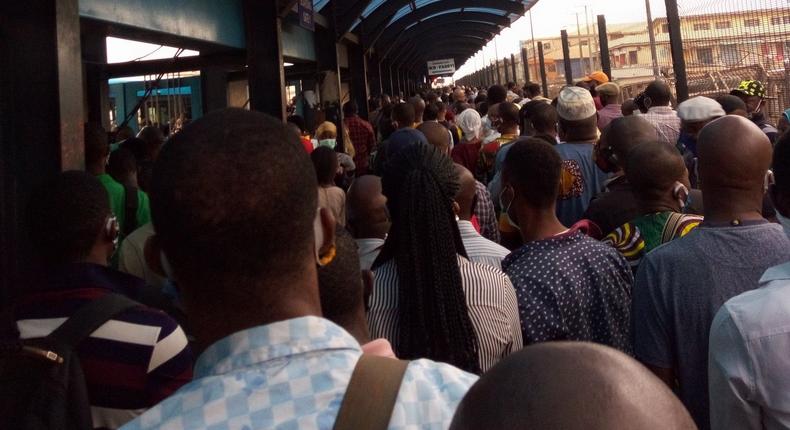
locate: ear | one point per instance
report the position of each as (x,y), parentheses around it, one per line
(367,287)
(781,203)
(456,208)
(324,230)
(152,252)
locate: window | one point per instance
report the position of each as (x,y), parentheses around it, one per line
(720,25)
(665,28)
(705,55)
(551,68)
(633,58)
(729,54)
(701,26)
(776,20)
(546,45)
(751,22)
(583,42)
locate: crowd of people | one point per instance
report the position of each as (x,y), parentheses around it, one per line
(461,258)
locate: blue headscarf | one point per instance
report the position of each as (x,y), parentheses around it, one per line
(404,138)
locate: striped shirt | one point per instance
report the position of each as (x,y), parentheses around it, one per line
(490,298)
(132,362)
(479,249)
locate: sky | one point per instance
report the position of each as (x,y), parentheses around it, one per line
(551,16)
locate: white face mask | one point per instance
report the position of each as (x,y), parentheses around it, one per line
(785,222)
(329,143)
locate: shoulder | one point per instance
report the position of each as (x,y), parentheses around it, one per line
(435,382)
(759,313)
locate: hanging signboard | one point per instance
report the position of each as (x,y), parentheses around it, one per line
(306,14)
(441,67)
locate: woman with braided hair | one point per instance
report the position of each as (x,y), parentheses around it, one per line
(429,300)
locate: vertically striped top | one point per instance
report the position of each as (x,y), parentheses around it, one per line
(490,298)
(479,249)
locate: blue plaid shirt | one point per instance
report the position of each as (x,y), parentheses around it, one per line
(293,375)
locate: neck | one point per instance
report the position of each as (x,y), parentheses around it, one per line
(726,205)
(295,297)
(509,130)
(357,326)
(539,224)
(650,207)
(96,169)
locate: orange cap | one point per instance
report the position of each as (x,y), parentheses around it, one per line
(597,76)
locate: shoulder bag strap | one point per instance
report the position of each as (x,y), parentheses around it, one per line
(89,318)
(371,393)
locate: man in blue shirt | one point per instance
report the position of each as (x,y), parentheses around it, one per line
(581,179)
(750,336)
(243,246)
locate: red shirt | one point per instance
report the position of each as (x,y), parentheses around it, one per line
(308,145)
(363,139)
(467,154)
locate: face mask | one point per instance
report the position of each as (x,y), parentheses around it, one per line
(506,209)
(329,143)
(785,222)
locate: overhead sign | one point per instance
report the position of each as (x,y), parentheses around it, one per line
(305,10)
(441,67)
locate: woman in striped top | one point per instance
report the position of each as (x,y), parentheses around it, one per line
(429,300)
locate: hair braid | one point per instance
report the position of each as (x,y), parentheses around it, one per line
(425,242)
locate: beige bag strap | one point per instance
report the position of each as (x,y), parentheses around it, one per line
(371,394)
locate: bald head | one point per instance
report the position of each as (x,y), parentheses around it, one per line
(436,134)
(654,169)
(366,208)
(659,93)
(465,197)
(419,107)
(734,156)
(625,133)
(570,385)
(459,95)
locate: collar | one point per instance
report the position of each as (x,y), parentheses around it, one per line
(776,273)
(279,340)
(660,109)
(87,275)
(466,228)
(369,244)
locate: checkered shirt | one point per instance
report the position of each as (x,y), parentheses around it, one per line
(667,123)
(293,375)
(486,215)
(363,139)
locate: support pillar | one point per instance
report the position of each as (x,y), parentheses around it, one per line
(603,42)
(498,74)
(214,88)
(41,117)
(513,68)
(676,45)
(525,63)
(566,54)
(265,73)
(358,66)
(97,88)
(542,64)
(507,71)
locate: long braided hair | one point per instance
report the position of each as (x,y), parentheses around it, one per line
(420,183)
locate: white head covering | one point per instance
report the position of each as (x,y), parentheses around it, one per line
(470,123)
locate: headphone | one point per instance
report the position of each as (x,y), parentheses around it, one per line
(605,158)
(112,230)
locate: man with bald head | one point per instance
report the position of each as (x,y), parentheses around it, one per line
(437,135)
(478,248)
(617,204)
(570,386)
(680,286)
(419,108)
(367,217)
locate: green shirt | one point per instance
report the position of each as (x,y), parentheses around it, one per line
(117,195)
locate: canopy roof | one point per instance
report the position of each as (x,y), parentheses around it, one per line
(411,32)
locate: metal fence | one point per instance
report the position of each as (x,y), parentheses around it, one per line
(723,42)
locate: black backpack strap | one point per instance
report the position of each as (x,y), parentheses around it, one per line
(130,210)
(89,318)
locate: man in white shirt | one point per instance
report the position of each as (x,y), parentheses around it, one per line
(131,256)
(478,248)
(368,219)
(748,368)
